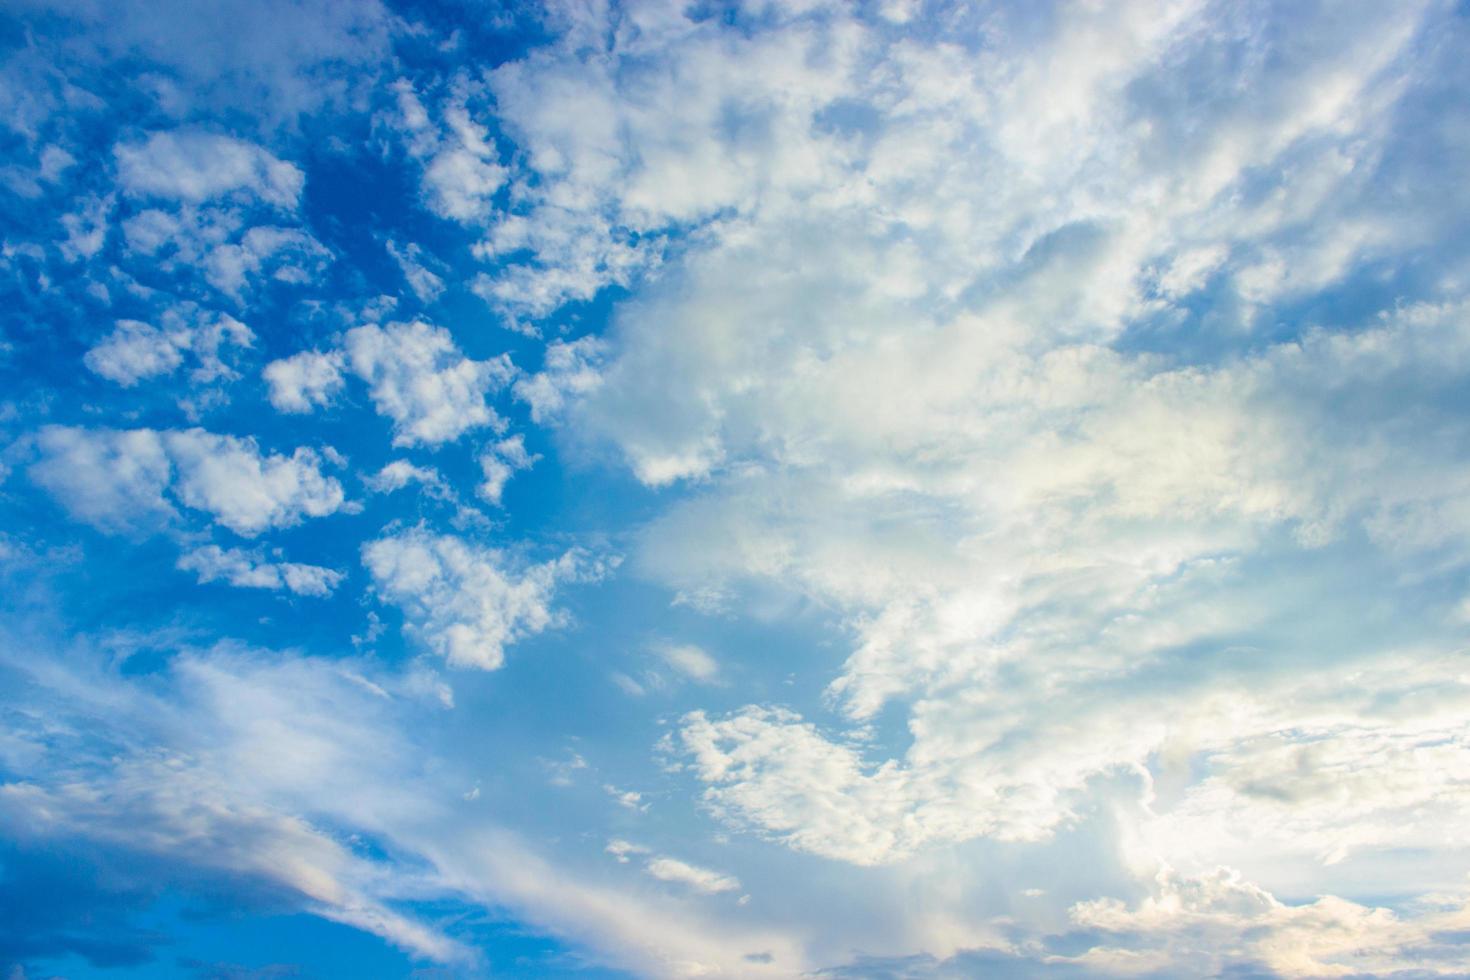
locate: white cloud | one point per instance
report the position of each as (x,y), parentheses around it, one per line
(305,381)
(195,166)
(468,603)
(117,479)
(135,350)
(132,352)
(499,463)
(112,479)
(247,491)
(418,378)
(291,255)
(412,259)
(702,880)
(569,371)
(1204,922)
(621,850)
(400,473)
(461,171)
(247,570)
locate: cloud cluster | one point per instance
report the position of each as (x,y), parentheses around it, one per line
(468,603)
(415,374)
(245,570)
(118,479)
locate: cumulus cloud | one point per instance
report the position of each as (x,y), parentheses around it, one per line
(112,479)
(247,491)
(134,350)
(418,378)
(117,479)
(305,381)
(461,172)
(292,256)
(400,473)
(412,259)
(468,603)
(195,166)
(247,570)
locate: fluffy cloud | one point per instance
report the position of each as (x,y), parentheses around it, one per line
(418,378)
(135,351)
(195,166)
(304,381)
(400,473)
(243,569)
(246,491)
(461,172)
(468,603)
(117,479)
(108,478)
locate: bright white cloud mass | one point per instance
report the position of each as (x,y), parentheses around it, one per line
(660,489)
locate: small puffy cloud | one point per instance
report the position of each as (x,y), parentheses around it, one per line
(195,166)
(243,569)
(702,880)
(468,603)
(111,479)
(418,378)
(246,491)
(400,473)
(305,381)
(499,463)
(135,350)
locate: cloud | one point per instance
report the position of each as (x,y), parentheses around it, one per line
(135,350)
(292,255)
(468,603)
(499,463)
(132,352)
(246,491)
(112,479)
(689,660)
(569,371)
(305,381)
(177,784)
(117,479)
(196,166)
(411,258)
(461,173)
(702,880)
(243,569)
(418,378)
(400,473)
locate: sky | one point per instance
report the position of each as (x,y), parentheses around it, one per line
(873,489)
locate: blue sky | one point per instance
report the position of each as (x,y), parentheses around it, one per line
(878,489)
